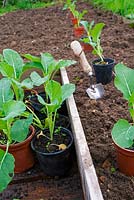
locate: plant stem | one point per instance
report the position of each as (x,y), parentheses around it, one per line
(36,119)
(7,147)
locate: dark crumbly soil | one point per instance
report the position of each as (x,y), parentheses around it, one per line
(43,144)
(50,30)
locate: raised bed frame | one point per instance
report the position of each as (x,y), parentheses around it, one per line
(89,180)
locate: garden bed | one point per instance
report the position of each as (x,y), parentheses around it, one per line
(34,184)
(50,30)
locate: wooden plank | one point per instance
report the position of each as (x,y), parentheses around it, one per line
(90,185)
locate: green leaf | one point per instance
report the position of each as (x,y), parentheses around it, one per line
(131,99)
(41,100)
(48,63)
(13,109)
(32,58)
(85,40)
(1,58)
(64,63)
(67,91)
(6,70)
(37,79)
(53,90)
(124,80)
(6,94)
(27,83)
(14,60)
(96,31)
(123,133)
(6,169)
(85,24)
(3,125)
(52,107)
(20,129)
(31,65)
(18,90)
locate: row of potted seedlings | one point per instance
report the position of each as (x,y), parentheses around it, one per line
(89,35)
(123,131)
(20,125)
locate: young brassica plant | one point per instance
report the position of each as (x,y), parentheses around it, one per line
(12,67)
(88,27)
(79,16)
(96,41)
(57,94)
(69,4)
(123,131)
(93,37)
(12,128)
(48,66)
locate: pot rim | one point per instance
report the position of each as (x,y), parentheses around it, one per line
(122,148)
(54,153)
(23,142)
(112,61)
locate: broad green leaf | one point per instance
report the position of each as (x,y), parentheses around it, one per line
(96,31)
(123,133)
(1,58)
(20,129)
(13,109)
(6,169)
(27,83)
(87,27)
(32,58)
(53,90)
(85,40)
(124,80)
(6,69)
(37,79)
(85,24)
(52,107)
(130,105)
(41,100)
(64,63)
(131,99)
(14,60)
(18,90)
(48,62)
(31,65)
(6,94)
(3,125)
(67,91)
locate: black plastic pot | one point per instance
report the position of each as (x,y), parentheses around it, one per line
(103,72)
(35,103)
(62,120)
(55,163)
(37,106)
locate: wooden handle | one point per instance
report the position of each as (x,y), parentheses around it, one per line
(78,51)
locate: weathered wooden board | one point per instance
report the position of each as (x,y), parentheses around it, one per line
(90,185)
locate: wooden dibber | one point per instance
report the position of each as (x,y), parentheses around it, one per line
(94,91)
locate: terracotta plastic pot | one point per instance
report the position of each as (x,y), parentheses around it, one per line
(79,31)
(86,47)
(55,163)
(23,154)
(125,160)
(103,72)
(74,21)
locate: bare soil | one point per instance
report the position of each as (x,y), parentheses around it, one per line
(50,30)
